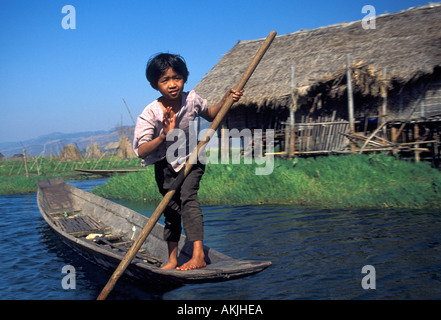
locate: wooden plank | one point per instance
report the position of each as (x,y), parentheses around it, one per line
(64,213)
(125,246)
(79,225)
(57,198)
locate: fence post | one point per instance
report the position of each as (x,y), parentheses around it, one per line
(25,162)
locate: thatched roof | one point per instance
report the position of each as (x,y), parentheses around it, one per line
(407,43)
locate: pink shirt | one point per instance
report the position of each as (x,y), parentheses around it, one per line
(149,126)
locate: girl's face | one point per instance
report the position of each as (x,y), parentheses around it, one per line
(171,85)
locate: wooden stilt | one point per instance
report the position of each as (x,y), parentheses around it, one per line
(350,98)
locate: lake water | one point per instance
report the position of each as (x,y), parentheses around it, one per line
(316,253)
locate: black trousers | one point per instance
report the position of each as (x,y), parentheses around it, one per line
(184,203)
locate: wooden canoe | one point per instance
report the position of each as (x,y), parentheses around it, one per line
(78,216)
(107,173)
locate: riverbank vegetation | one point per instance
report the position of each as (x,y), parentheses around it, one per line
(13,177)
(362,181)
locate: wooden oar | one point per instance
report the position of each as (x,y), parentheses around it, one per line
(188,165)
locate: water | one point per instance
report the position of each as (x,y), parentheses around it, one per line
(316,254)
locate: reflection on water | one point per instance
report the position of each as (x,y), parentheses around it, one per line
(316,254)
(319,254)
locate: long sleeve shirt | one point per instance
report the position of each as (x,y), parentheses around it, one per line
(179,143)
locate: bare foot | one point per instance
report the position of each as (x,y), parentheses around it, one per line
(169,266)
(173,253)
(194,263)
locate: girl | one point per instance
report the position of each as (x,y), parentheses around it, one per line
(168,73)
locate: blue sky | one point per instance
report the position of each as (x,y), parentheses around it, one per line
(53,79)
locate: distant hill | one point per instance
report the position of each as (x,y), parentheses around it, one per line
(54,142)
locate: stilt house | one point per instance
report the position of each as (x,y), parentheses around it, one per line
(394,69)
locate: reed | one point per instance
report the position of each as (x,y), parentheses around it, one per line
(139,186)
(19,184)
(362,181)
(372,181)
(13,172)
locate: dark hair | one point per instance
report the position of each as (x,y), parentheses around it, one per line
(160,63)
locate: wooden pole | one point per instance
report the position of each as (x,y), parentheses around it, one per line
(188,165)
(416,135)
(25,162)
(133,120)
(410,114)
(350,97)
(286,146)
(393,134)
(382,111)
(291,115)
(371,137)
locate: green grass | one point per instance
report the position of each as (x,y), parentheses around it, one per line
(372,181)
(139,186)
(359,181)
(13,174)
(19,184)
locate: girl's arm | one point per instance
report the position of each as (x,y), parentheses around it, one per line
(213,111)
(149,147)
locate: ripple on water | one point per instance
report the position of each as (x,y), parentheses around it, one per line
(316,254)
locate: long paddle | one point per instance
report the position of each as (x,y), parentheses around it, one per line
(188,165)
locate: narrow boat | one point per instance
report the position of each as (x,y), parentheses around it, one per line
(107,173)
(103,231)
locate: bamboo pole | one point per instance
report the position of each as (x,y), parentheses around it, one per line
(383,110)
(128,111)
(25,162)
(371,136)
(183,173)
(416,135)
(291,114)
(350,97)
(419,100)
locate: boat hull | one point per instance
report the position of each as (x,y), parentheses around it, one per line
(77,216)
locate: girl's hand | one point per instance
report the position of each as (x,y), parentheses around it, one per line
(213,111)
(169,120)
(236,94)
